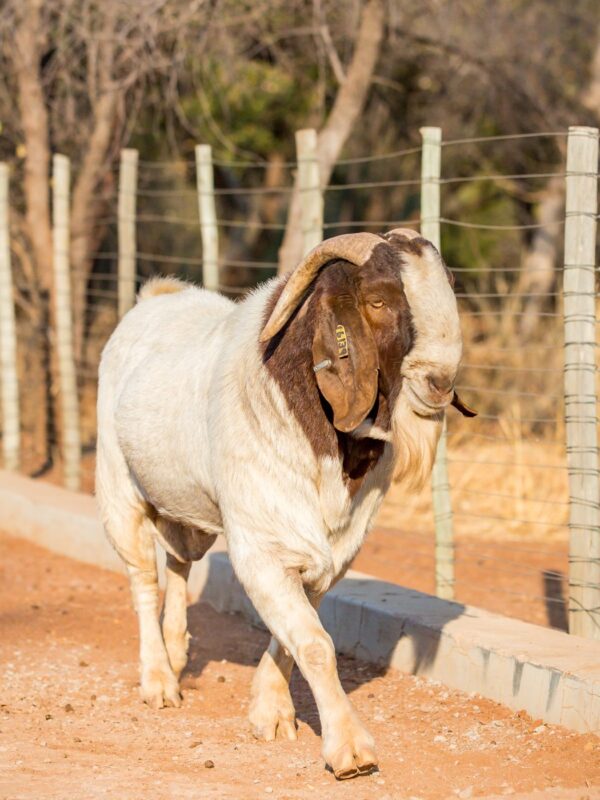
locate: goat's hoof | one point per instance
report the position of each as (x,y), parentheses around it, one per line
(354,756)
(273,720)
(160,688)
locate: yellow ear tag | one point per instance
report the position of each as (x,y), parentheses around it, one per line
(342,341)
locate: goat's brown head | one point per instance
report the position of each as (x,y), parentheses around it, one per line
(385,317)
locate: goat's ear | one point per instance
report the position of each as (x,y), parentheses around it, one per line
(345,361)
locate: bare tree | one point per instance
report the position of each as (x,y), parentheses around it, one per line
(346,109)
(77,70)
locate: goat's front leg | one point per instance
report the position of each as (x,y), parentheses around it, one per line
(279,597)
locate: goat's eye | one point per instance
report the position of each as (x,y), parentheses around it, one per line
(376,303)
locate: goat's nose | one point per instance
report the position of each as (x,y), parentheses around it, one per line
(440,382)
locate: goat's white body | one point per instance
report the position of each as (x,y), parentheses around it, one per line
(195,438)
(187,406)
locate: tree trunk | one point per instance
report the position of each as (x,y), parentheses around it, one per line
(38,227)
(34,121)
(85,208)
(349,102)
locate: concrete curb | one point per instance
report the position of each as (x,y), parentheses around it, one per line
(552,676)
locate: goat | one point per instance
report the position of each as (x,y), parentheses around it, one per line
(278,421)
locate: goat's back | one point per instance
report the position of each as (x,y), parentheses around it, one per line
(154,381)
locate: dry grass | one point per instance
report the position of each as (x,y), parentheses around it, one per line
(507,467)
(491,500)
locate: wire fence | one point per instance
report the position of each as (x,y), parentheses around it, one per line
(511,535)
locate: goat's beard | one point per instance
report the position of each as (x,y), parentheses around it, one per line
(414,439)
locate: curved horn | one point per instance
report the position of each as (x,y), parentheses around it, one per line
(354,247)
(408,233)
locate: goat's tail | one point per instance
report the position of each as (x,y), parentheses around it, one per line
(156,286)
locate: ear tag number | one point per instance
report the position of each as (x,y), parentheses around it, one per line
(342,341)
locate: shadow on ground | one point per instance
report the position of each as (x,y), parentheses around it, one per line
(365,617)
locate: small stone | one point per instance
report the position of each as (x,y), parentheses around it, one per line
(221,679)
(69,708)
(83,664)
(209,764)
(92,697)
(35,607)
(439,738)
(48,716)
(76,739)
(269,789)
(196,744)
(371,695)
(466,793)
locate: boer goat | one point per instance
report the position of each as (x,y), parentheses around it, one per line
(278,421)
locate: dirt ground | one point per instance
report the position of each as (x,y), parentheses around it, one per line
(72,725)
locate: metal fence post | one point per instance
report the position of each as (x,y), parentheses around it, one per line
(126,228)
(309,184)
(9,384)
(580,381)
(431,160)
(205,183)
(63,321)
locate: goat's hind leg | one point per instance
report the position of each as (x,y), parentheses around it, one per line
(190,544)
(174,627)
(159,685)
(272,711)
(132,533)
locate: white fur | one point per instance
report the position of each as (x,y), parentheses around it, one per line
(195,438)
(438,344)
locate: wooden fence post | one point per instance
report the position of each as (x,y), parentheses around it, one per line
(69,405)
(126,228)
(580,381)
(309,184)
(9,385)
(205,183)
(431,160)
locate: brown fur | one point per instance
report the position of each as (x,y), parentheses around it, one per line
(156,286)
(289,357)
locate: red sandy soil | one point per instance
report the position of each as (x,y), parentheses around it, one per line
(72,725)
